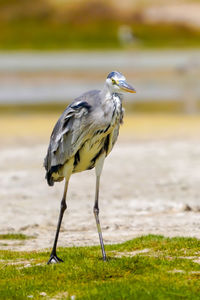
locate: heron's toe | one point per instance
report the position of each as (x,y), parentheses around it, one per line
(54,259)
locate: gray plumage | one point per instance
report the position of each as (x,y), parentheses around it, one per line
(82,137)
(87,119)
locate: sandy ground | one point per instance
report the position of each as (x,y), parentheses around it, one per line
(147,186)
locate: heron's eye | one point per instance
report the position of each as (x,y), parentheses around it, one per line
(113,81)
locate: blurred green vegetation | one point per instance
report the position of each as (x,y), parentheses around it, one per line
(43,36)
(91,25)
(58,107)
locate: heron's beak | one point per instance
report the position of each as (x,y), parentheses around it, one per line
(123,85)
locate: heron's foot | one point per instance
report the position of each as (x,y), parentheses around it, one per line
(54,259)
(104,258)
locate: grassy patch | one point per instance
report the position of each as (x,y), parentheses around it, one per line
(166,270)
(84,25)
(166,36)
(26,35)
(14,236)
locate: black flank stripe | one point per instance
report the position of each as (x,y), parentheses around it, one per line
(76,158)
(107,128)
(106,144)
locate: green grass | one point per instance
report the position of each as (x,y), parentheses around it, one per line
(149,275)
(15,236)
(166,36)
(48,35)
(86,25)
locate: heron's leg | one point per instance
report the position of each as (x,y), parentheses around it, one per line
(53,256)
(98,168)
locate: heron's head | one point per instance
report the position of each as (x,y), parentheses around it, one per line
(116,83)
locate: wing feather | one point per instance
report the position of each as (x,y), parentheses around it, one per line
(68,133)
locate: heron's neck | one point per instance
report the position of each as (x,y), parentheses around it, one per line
(108,93)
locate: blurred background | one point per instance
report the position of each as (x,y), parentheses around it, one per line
(51,51)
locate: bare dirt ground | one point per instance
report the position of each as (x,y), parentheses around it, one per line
(148,185)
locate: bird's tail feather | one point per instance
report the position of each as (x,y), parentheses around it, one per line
(49,178)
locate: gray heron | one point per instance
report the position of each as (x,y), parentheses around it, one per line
(83,136)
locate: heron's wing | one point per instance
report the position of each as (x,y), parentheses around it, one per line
(67,132)
(70,131)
